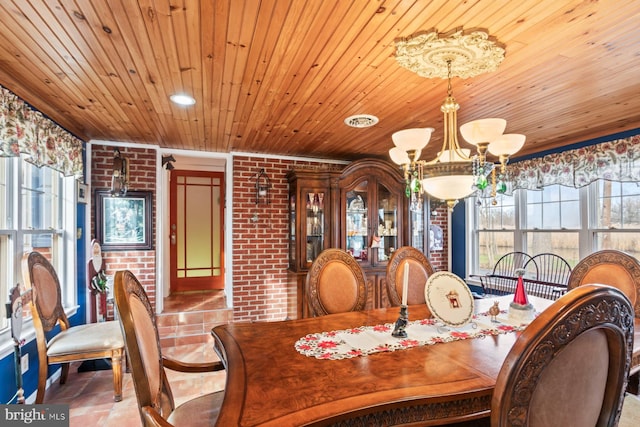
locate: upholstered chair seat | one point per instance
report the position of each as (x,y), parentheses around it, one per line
(73,343)
(197,412)
(86,338)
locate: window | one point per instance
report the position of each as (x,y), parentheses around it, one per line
(552,222)
(495,231)
(35,215)
(563,220)
(617,216)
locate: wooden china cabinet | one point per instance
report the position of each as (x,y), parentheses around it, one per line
(361,208)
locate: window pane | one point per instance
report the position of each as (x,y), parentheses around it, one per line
(553,208)
(626,242)
(629,188)
(570,214)
(492,245)
(534,196)
(534,215)
(499,216)
(569,193)
(618,205)
(40,198)
(565,244)
(551,194)
(4,204)
(5,255)
(550,215)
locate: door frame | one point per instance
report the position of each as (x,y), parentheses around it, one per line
(198,161)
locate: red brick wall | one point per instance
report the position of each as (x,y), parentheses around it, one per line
(260,249)
(439,259)
(142,178)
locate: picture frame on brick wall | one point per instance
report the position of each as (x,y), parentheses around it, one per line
(124,222)
(82,192)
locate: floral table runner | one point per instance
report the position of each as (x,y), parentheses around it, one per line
(364,340)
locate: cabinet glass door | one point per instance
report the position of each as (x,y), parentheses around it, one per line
(356,222)
(314,225)
(387,232)
(292,230)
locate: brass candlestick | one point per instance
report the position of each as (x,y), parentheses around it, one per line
(401,324)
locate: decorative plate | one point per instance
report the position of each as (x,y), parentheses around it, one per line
(449,298)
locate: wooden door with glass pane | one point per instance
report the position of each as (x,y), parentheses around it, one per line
(196,230)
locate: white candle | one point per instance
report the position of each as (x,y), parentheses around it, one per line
(405,283)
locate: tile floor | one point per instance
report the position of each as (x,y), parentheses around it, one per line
(90,394)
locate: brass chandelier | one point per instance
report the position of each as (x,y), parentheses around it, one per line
(454,173)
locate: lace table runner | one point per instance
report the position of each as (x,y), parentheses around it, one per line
(364,340)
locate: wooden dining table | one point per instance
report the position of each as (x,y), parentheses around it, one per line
(269,383)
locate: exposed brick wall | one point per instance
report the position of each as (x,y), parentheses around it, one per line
(439,259)
(261,287)
(142,178)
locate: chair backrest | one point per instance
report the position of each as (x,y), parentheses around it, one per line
(547,275)
(419,271)
(609,267)
(335,283)
(550,268)
(569,366)
(510,262)
(503,279)
(144,353)
(40,277)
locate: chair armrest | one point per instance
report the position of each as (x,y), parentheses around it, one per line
(177,365)
(152,418)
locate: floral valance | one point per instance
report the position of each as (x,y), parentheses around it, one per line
(24,130)
(617,160)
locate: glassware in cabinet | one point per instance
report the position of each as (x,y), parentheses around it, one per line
(387,231)
(357,219)
(315,225)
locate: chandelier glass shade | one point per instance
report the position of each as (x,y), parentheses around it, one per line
(454,173)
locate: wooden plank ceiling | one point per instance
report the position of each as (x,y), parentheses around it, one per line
(280,77)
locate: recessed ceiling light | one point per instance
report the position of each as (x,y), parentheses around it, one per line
(182,99)
(361,120)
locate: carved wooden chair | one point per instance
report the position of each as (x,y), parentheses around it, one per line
(621,270)
(73,343)
(546,371)
(335,283)
(419,271)
(147,363)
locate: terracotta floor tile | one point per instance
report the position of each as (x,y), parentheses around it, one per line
(90,394)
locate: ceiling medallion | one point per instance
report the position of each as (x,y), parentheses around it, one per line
(469,53)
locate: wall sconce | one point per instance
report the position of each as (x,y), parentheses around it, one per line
(167,162)
(262,187)
(120,176)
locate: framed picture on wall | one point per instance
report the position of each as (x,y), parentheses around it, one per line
(82,192)
(123,222)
